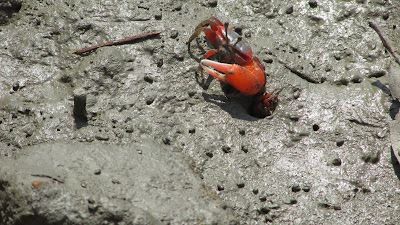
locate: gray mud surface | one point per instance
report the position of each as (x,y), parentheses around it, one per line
(150,143)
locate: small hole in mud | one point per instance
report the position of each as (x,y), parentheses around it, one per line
(356,80)
(315,127)
(148,79)
(339,143)
(245,149)
(58,129)
(263,199)
(238,30)
(149,101)
(209,154)
(344,82)
(268,60)
(386,16)
(258,110)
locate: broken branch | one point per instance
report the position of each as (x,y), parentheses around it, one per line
(117,42)
(384,41)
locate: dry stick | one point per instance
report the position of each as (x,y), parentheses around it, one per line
(117,42)
(384,41)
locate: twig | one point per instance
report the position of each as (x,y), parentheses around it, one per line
(117,42)
(384,41)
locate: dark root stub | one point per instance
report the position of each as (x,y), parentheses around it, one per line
(258,110)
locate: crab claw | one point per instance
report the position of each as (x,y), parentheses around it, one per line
(248,78)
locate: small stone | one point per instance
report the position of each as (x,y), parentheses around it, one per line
(244,149)
(255,191)
(263,198)
(220,188)
(83,185)
(174,34)
(97,172)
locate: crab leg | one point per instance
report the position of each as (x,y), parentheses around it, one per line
(268,97)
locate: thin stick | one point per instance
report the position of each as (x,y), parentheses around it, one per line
(117,42)
(384,41)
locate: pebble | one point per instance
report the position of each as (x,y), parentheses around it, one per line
(174,34)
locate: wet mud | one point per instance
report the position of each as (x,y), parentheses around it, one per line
(129,134)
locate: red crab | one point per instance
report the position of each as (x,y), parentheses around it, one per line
(237,66)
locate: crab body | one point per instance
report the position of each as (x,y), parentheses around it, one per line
(236,64)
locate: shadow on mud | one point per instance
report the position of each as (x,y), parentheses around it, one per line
(395,163)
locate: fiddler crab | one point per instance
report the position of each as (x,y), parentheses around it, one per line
(237,66)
